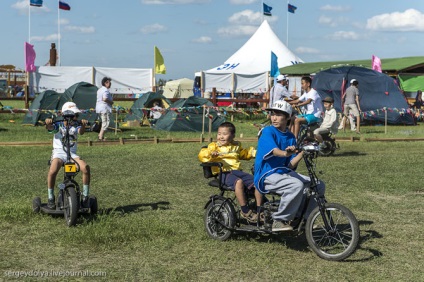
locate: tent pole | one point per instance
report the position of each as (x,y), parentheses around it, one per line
(385,122)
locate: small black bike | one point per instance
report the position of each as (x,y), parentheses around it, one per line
(306,135)
(69,201)
(331,229)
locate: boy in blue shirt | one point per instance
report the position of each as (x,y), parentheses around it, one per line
(276,160)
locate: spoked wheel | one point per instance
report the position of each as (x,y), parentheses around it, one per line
(330,147)
(70,205)
(219,219)
(36,204)
(340,240)
(93,205)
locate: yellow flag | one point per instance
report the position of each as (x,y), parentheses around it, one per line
(159,62)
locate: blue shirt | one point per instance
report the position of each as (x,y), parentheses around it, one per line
(266,163)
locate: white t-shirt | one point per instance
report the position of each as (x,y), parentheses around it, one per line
(278,92)
(101,106)
(315,107)
(59,133)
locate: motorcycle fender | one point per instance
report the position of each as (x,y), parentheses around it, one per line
(213,198)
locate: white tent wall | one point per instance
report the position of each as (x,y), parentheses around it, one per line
(180,88)
(252,61)
(124,80)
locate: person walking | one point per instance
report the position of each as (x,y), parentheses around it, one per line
(104,105)
(351,102)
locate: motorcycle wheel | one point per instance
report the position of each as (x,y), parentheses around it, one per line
(329,149)
(219,219)
(340,240)
(70,205)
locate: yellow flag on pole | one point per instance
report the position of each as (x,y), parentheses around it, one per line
(159,62)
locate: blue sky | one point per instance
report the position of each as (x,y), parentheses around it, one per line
(195,35)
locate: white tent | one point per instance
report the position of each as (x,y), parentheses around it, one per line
(180,88)
(248,69)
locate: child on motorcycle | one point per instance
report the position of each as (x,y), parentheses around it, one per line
(276,160)
(59,155)
(330,123)
(229,153)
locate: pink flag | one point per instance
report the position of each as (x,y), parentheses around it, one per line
(29,57)
(376,63)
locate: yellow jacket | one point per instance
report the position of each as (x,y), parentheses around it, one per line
(229,155)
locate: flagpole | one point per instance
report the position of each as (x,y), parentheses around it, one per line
(287,26)
(262,11)
(29,21)
(58,34)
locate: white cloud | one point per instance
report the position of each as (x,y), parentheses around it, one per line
(242,2)
(306,50)
(249,17)
(327,21)
(202,39)
(344,35)
(22,7)
(335,8)
(410,20)
(81,29)
(51,37)
(178,2)
(153,28)
(237,30)
(64,21)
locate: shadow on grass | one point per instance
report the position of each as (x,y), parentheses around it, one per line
(136,208)
(367,235)
(3,129)
(348,154)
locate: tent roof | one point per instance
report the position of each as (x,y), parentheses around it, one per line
(390,66)
(255,55)
(180,88)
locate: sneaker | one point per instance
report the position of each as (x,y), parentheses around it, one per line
(281,226)
(250,216)
(51,204)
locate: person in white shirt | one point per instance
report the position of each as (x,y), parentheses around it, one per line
(330,121)
(313,103)
(279,90)
(156,111)
(104,105)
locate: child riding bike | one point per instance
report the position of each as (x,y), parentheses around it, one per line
(58,157)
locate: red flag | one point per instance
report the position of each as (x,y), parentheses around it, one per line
(376,63)
(29,58)
(64,6)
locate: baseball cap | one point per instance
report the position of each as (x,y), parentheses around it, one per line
(352,81)
(70,106)
(281,77)
(281,106)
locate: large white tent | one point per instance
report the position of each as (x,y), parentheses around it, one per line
(248,69)
(180,88)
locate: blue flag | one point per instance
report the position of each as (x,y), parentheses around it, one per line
(275,71)
(267,10)
(36,3)
(292,9)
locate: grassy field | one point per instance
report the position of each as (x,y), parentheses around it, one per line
(150,225)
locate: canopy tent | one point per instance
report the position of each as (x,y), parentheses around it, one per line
(139,109)
(411,82)
(180,88)
(248,69)
(378,93)
(187,115)
(84,95)
(45,105)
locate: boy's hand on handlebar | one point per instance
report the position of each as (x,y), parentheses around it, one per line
(84,122)
(215,154)
(48,121)
(290,150)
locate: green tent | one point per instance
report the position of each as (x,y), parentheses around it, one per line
(45,105)
(187,115)
(84,95)
(139,109)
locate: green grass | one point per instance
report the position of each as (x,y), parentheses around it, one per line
(152,197)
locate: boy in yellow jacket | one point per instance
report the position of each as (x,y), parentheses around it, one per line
(229,153)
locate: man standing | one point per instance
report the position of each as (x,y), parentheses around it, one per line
(104,105)
(279,90)
(351,102)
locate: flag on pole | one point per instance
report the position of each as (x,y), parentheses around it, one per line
(64,6)
(275,71)
(29,58)
(267,10)
(159,62)
(291,8)
(36,3)
(376,63)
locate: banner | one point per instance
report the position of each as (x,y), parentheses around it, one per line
(275,71)
(159,62)
(29,58)
(36,3)
(291,8)
(376,63)
(64,6)
(267,10)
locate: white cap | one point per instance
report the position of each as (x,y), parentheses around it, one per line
(70,106)
(281,106)
(281,77)
(352,81)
